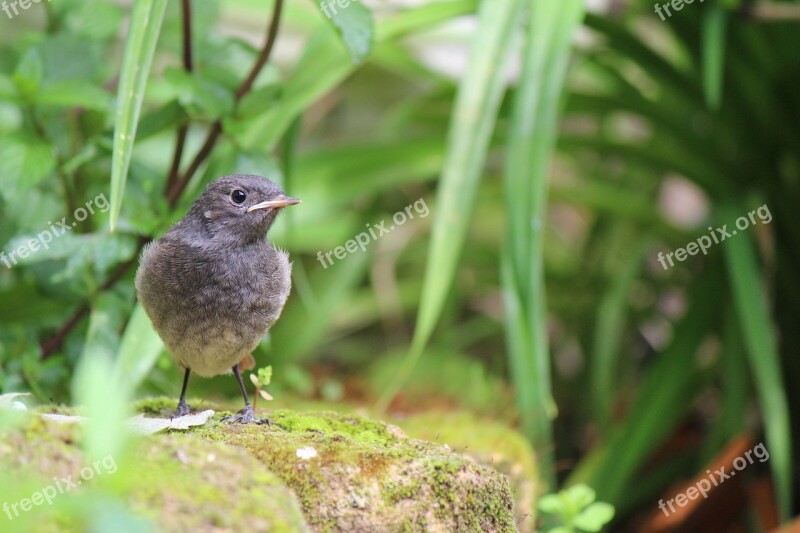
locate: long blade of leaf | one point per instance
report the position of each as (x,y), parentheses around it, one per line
(532,142)
(609,331)
(474,116)
(762,352)
(663,400)
(714,25)
(138,351)
(140,45)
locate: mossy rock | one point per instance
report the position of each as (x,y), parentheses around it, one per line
(489,443)
(369,476)
(175,482)
(362,475)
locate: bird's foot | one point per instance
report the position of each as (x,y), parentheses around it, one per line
(245,416)
(182,410)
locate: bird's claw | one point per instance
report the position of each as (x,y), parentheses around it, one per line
(245,416)
(182,410)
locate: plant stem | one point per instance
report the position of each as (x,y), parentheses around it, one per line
(216,128)
(188,65)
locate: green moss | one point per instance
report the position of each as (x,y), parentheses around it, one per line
(56,410)
(370,476)
(365,476)
(489,443)
(176,481)
(354,427)
(165,406)
(231,490)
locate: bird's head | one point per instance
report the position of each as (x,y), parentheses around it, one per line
(241,207)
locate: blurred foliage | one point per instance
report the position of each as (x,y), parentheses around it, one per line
(563,178)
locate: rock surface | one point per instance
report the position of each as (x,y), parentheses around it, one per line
(317,471)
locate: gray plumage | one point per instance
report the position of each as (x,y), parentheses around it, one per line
(213,285)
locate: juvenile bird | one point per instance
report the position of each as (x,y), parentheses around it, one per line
(213,285)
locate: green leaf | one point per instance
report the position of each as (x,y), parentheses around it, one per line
(7,87)
(594,517)
(424,16)
(474,116)
(108,315)
(324,65)
(749,298)
(203,98)
(138,351)
(23,303)
(663,398)
(714,25)
(581,495)
(104,399)
(75,93)
(28,75)
(258,100)
(353,22)
(534,131)
(609,331)
(24,162)
(70,56)
(166,117)
(551,504)
(95,19)
(333,285)
(98,249)
(265,376)
(145,26)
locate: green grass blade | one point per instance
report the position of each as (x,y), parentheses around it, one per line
(474,116)
(534,130)
(670,77)
(714,25)
(138,351)
(762,353)
(735,388)
(608,335)
(145,26)
(665,396)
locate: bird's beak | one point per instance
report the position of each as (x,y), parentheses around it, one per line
(280,201)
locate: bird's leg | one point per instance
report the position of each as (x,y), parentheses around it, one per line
(246,415)
(183,409)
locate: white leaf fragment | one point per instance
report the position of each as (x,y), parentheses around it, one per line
(306,452)
(143,425)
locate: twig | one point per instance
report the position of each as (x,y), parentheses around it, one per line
(244,88)
(266,51)
(188,65)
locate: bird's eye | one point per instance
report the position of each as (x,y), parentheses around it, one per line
(238,196)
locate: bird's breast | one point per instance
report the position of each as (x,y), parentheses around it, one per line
(212,308)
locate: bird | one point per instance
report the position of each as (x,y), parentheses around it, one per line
(213,285)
